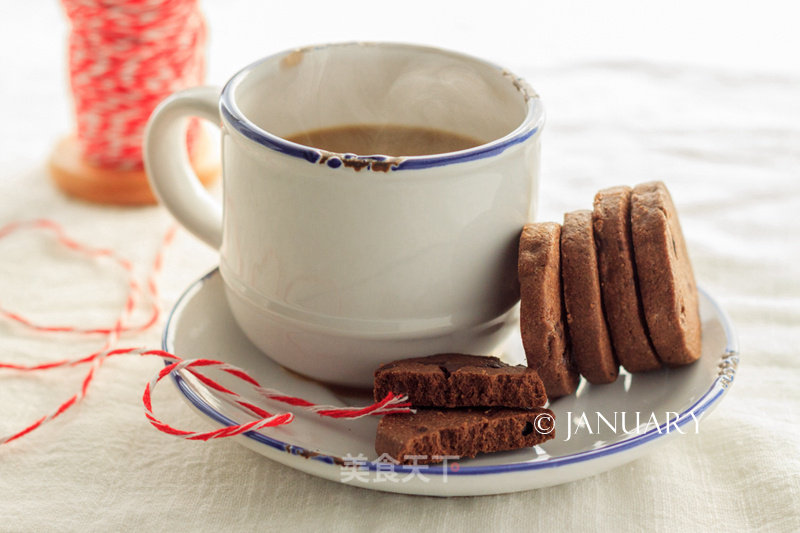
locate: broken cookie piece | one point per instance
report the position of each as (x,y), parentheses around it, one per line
(432,435)
(458,380)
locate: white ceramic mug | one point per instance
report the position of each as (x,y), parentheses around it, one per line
(334,263)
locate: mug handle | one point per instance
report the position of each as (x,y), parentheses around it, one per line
(167,162)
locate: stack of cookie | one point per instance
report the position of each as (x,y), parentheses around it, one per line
(465,405)
(610,287)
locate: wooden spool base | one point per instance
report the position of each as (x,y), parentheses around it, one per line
(116,187)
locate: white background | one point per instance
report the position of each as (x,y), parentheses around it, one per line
(704,95)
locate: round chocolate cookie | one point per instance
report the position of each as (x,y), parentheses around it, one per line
(541,313)
(624,312)
(590,343)
(666,280)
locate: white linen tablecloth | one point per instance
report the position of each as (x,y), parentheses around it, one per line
(705,98)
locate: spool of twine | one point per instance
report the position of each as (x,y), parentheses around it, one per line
(125,56)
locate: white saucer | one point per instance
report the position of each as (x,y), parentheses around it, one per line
(669,402)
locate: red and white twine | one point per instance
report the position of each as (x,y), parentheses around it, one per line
(125,56)
(390,404)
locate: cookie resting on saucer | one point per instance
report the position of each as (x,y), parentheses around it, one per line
(458,380)
(666,279)
(590,342)
(541,313)
(612,231)
(429,435)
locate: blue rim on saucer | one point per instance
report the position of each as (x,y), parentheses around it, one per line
(727,371)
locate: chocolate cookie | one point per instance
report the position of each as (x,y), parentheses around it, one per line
(666,280)
(541,312)
(457,380)
(590,343)
(624,313)
(427,435)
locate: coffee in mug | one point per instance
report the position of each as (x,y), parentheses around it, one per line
(391,139)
